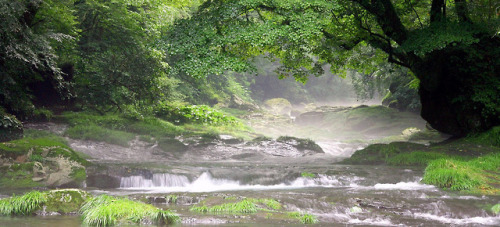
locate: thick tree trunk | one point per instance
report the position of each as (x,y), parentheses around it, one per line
(460,87)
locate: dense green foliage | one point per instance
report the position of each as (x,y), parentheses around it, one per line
(200,114)
(103,54)
(439,47)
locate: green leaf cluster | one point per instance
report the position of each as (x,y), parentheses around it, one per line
(200,114)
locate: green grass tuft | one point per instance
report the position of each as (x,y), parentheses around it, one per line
(23,205)
(496,209)
(308,175)
(453,174)
(106,210)
(244,206)
(490,137)
(248,205)
(304,218)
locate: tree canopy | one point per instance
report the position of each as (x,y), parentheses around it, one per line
(451,46)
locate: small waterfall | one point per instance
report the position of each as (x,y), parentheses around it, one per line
(165,182)
(339,149)
(158,180)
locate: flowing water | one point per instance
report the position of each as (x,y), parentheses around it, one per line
(338,195)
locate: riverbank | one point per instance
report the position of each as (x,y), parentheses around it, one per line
(469,165)
(206,172)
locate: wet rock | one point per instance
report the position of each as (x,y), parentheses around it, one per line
(61,173)
(227,139)
(37,179)
(301,144)
(65,201)
(46,213)
(238,103)
(157,199)
(279,106)
(103,181)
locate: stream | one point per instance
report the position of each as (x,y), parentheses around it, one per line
(338,195)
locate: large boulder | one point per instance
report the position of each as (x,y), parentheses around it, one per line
(460,87)
(279,106)
(40,162)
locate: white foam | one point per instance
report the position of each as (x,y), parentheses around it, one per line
(404,186)
(206,183)
(372,221)
(495,221)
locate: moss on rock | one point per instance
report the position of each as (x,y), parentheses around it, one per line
(380,153)
(301,144)
(65,201)
(469,164)
(44,161)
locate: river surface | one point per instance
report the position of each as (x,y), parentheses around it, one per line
(338,195)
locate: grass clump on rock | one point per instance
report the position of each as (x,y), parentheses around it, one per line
(23,205)
(106,210)
(477,175)
(301,144)
(63,201)
(245,206)
(304,218)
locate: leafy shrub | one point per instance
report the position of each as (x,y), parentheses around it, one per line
(10,127)
(201,114)
(42,114)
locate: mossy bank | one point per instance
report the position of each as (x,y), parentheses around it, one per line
(40,159)
(470,164)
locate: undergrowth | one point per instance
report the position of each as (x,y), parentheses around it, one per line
(97,133)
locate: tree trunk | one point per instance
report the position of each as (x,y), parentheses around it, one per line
(460,87)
